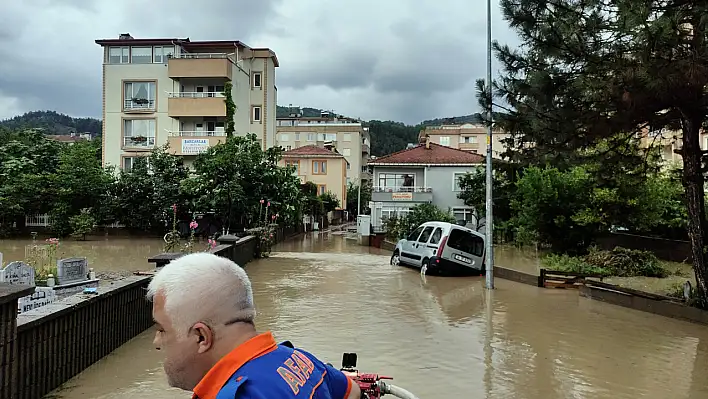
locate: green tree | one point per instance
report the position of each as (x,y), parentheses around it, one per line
(230,124)
(82,224)
(589,71)
(79,182)
(145,194)
(353,196)
(330,202)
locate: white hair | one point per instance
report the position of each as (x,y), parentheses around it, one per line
(203,287)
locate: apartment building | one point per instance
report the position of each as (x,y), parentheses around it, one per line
(158,91)
(346,135)
(468,137)
(324,167)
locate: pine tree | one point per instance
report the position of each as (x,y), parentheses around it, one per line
(589,71)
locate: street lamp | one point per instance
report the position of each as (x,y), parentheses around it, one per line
(489,230)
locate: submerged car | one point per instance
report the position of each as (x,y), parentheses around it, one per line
(442,248)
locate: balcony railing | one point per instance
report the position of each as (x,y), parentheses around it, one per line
(138,141)
(138,105)
(194,94)
(402,189)
(204,55)
(196,133)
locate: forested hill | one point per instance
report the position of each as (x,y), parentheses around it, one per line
(54,123)
(386,136)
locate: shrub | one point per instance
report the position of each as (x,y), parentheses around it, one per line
(620,262)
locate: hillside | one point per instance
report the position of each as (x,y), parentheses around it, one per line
(54,123)
(386,136)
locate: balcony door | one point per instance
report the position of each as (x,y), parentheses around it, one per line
(200,91)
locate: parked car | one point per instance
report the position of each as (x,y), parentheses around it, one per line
(442,248)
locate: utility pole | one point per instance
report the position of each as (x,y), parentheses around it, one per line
(489,229)
(358,200)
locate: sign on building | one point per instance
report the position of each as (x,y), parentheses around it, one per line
(402,196)
(194,146)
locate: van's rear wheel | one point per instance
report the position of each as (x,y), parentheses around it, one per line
(395,258)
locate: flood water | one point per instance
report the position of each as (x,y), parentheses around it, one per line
(440,337)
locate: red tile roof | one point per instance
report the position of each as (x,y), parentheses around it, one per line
(311,151)
(436,155)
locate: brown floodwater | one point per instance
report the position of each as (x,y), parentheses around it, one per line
(438,337)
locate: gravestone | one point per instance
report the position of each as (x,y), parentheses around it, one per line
(72,270)
(19,273)
(42,296)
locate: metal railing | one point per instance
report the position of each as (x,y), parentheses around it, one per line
(196,133)
(139,141)
(194,94)
(203,55)
(129,104)
(402,189)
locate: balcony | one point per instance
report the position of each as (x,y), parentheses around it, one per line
(198,104)
(200,65)
(365,149)
(138,105)
(193,142)
(402,194)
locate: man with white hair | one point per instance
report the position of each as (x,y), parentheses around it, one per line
(204,311)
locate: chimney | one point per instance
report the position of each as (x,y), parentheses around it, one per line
(125,36)
(427,142)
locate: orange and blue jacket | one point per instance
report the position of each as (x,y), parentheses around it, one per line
(262,369)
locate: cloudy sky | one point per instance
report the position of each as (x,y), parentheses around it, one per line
(362,58)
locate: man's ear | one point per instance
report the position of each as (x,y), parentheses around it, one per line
(204,335)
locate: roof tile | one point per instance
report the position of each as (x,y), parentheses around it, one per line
(311,150)
(437,154)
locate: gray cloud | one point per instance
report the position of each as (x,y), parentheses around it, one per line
(402,60)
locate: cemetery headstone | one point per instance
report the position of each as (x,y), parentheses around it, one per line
(71,270)
(42,296)
(19,273)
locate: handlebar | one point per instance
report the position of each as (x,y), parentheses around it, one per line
(373,386)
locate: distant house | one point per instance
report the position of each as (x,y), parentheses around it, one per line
(322,166)
(425,173)
(70,139)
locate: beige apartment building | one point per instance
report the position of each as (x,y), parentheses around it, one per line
(324,167)
(158,91)
(469,137)
(346,135)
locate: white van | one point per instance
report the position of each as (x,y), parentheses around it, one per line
(442,248)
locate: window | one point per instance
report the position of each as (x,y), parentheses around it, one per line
(346,152)
(463,214)
(347,137)
(468,140)
(310,137)
(256,80)
(437,235)
(118,55)
(319,167)
(131,162)
(141,55)
(349,166)
(139,96)
(215,91)
(284,137)
(127,164)
(139,133)
(321,189)
(387,213)
(256,114)
(465,241)
(297,136)
(426,234)
(288,147)
(396,181)
(327,137)
(445,140)
(414,235)
(456,181)
(163,53)
(294,164)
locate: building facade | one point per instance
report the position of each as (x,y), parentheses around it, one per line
(426,173)
(322,166)
(158,91)
(346,135)
(469,137)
